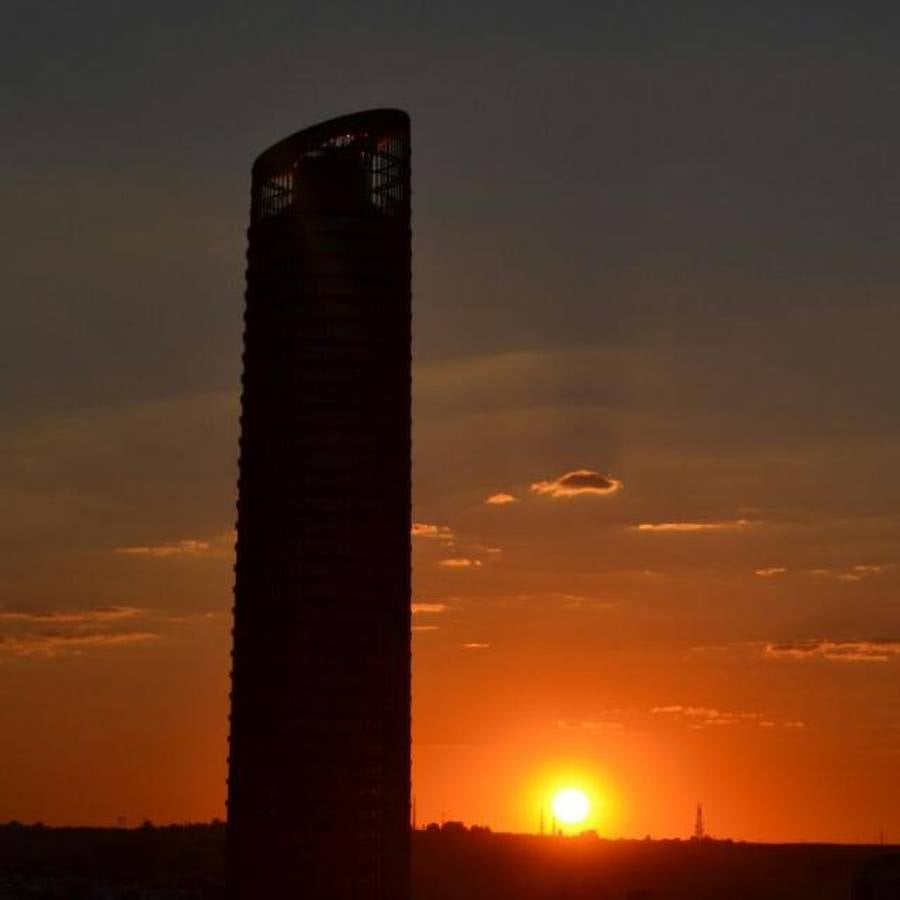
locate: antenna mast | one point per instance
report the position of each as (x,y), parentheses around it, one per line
(699,827)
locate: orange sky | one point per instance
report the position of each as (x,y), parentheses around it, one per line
(708,657)
(653,241)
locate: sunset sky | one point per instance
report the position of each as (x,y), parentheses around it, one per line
(656,262)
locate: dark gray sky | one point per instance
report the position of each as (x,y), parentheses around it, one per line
(658,240)
(567,158)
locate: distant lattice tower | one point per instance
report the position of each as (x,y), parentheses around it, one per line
(699,827)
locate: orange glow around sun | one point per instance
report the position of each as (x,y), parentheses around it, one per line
(571,806)
(571,798)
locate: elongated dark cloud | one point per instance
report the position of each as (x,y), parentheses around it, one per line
(74,643)
(877,650)
(74,632)
(577,483)
(73,616)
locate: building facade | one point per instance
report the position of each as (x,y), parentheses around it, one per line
(319,764)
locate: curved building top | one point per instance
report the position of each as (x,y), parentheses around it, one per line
(377,138)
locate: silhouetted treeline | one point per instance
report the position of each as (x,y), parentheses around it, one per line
(175,860)
(449,863)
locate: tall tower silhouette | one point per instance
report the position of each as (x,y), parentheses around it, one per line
(318,791)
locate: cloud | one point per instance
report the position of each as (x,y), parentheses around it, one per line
(425,530)
(579,601)
(770,572)
(160,551)
(460,562)
(501,499)
(74,616)
(594,725)
(57,644)
(428,608)
(576,483)
(74,632)
(871,570)
(878,650)
(191,617)
(698,718)
(705,716)
(474,645)
(723,525)
(854,573)
(425,627)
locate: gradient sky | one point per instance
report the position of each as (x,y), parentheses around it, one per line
(653,241)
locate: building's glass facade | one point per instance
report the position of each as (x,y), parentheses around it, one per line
(318,795)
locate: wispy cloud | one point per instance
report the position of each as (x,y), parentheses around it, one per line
(704,716)
(577,483)
(72,616)
(425,627)
(74,632)
(580,601)
(57,644)
(424,607)
(871,570)
(770,572)
(721,525)
(877,650)
(460,562)
(174,548)
(594,725)
(427,530)
(501,499)
(854,573)
(474,645)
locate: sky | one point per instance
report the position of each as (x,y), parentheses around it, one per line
(656,424)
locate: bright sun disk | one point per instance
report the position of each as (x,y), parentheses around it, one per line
(570,806)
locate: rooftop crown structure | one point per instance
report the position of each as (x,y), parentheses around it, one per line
(318,793)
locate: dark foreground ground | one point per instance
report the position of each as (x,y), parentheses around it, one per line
(186,863)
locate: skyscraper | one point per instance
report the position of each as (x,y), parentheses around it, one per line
(318,792)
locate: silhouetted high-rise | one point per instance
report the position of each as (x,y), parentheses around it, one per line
(318,793)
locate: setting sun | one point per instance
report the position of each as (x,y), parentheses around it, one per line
(570,806)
